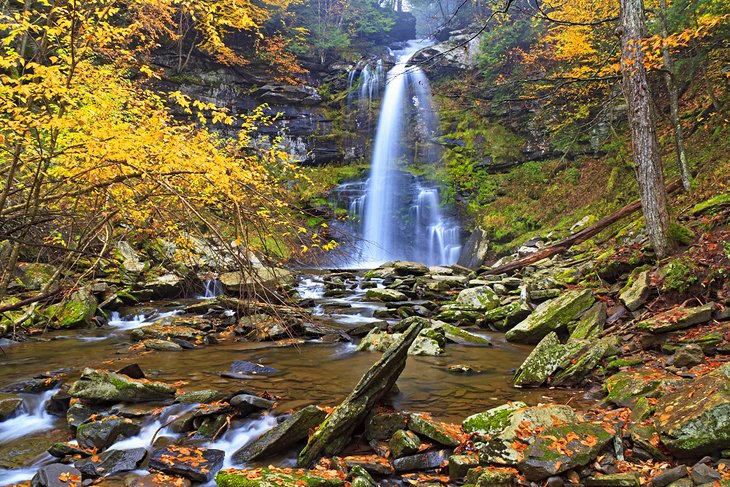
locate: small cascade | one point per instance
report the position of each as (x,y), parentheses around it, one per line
(213,288)
(125,323)
(155,428)
(365,80)
(241,434)
(33,419)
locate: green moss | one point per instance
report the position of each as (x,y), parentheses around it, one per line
(492,421)
(680,235)
(680,274)
(712,204)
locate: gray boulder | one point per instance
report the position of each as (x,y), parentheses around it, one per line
(551,316)
(100,386)
(282,436)
(695,420)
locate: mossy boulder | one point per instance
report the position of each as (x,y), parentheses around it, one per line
(488,477)
(625,388)
(591,323)
(500,449)
(436,431)
(695,420)
(505,317)
(677,319)
(482,298)
(100,386)
(359,477)
(102,433)
(461,336)
(576,366)
(492,421)
(75,312)
(275,477)
(581,443)
(385,295)
(403,443)
(541,363)
(32,276)
(550,316)
(459,316)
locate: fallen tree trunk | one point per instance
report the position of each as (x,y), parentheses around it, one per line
(576,238)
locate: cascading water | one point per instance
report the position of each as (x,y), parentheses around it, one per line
(395,215)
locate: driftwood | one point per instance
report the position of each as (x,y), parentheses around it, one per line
(31,300)
(576,238)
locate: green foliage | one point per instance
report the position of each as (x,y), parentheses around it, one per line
(680,274)
(680,234)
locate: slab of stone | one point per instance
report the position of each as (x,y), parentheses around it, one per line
(403,443)
(695,420)
(591,323)
(335,432)
(582,442)
(541,363)
(636,292)
(282,436)
(421,461)
(100,386)
(106,431)
(56,475)
(627,479)
(111,462)
(677,319)
(551,316)
(197,464)
(438,432)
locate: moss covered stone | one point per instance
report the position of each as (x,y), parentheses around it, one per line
(625,388)
(574,368)
(434,430)
(403,443)
(481,298)
(695,420)
(637,290)
(100,386)
(677,319)
(77,311)
(492,421)
(581,443)
(712,204)
(541,362)
(591,323)
(458,335)
(551,316)
(507,316)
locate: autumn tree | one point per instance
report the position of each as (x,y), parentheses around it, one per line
(89,156)
(642,123)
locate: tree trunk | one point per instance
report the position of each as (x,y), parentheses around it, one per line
(674,102)
(642,122)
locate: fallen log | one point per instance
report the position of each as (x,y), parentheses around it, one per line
(576,238)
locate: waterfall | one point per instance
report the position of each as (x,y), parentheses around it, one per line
(430,237)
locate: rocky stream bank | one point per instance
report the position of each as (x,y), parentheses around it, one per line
(627,382)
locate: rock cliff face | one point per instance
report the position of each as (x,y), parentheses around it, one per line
(308,121)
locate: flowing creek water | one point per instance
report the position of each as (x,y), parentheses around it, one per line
(312,372)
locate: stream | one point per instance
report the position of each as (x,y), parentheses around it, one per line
(307,372)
